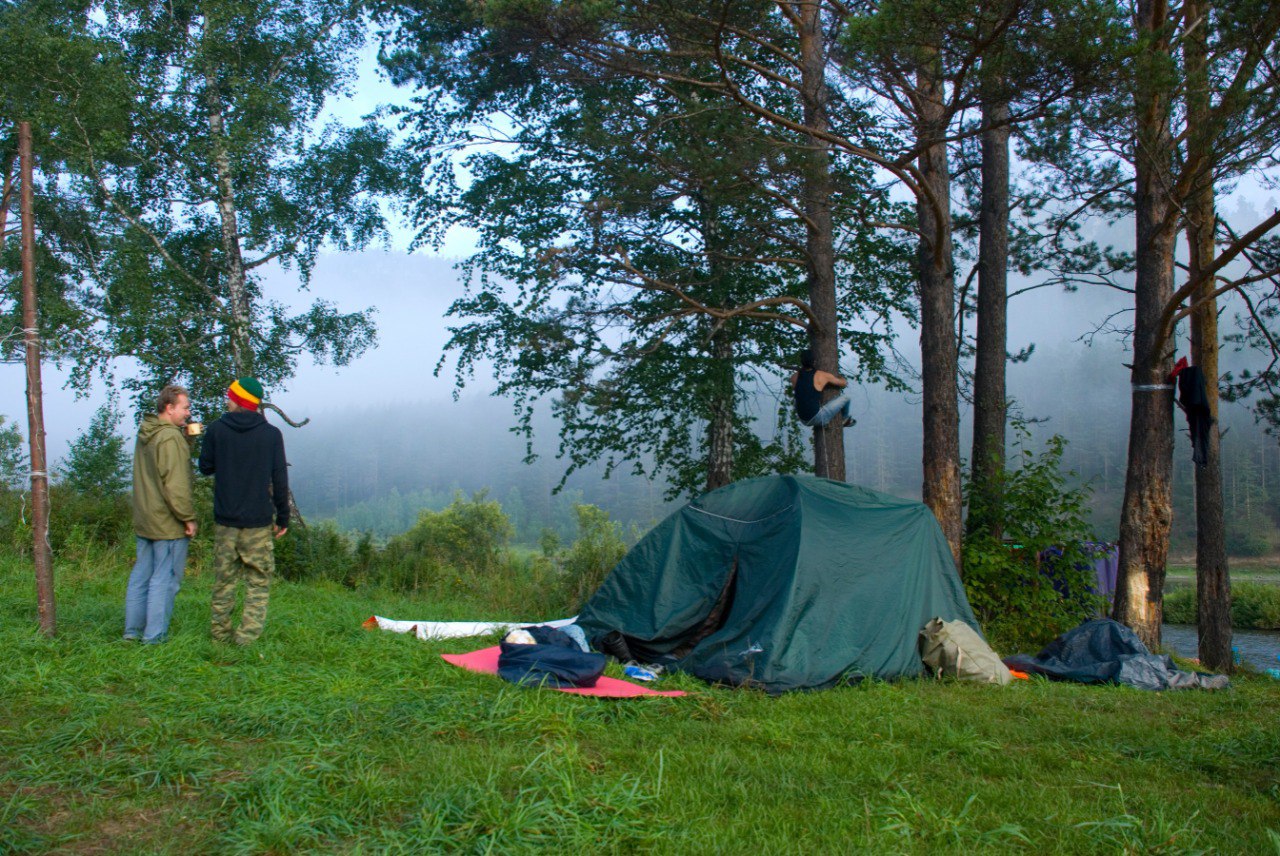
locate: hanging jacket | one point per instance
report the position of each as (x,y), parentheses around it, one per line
(1193,397)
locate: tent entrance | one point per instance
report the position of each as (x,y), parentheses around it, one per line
(716,618)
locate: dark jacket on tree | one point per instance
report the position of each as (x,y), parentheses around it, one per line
(246,454)
(161,481)
(1193,397)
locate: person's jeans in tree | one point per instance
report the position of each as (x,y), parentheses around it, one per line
(841,404)
(153,585)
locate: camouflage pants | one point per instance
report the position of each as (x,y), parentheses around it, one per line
(246,554)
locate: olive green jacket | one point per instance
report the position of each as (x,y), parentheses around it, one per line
(161,481)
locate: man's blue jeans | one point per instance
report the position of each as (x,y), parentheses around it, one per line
(154,583)
(838,405)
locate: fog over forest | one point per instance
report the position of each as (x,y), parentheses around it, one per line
(387,438)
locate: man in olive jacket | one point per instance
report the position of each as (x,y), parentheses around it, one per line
(245,455)
(164,517)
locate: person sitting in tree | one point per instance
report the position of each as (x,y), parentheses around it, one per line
(808,384)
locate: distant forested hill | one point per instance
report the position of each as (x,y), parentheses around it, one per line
(373,468)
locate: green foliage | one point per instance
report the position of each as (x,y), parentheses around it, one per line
(1021,597)
(322,553)
(1254,606)
(78,522)
(13,457)
(640,260)
(97,462)
(464,542)
(462,554)
(1246,541)
(181,151)
(598,548)
(549,542)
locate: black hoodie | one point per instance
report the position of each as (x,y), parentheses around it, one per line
(247,455)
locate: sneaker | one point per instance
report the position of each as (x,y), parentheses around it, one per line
(850,422)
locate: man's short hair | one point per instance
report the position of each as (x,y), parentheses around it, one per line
(806,359)
(169,395)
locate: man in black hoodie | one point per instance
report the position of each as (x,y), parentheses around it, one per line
(245,455)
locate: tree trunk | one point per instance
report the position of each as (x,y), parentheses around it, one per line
(237,293)
(1213,581)
(828,441)
(989,394)
(938,356)
(42,554)
(720,425)
(1147,513)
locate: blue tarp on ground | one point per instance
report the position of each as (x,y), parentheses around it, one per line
(1105,651)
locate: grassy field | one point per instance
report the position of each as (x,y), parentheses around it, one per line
(326,737)
(1266,571)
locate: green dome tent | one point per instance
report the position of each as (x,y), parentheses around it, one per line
(783,582)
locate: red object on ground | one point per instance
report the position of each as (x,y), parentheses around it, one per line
(1021,676)
(486,660)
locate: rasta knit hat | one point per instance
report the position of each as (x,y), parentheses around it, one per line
(246,392)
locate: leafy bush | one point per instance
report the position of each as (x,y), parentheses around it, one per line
(76,520)
(13,458)
(318,552)
(467,539)
(598,548)
(1254,606)
(1022,597)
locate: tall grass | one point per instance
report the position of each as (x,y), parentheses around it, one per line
(324,737)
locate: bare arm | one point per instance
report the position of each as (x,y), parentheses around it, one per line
(826,379)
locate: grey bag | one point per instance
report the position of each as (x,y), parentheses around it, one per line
(954,649)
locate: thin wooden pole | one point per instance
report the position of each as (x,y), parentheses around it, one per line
(35,396)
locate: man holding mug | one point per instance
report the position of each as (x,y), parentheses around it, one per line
(164,517)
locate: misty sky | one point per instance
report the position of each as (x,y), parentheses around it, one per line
(412,292)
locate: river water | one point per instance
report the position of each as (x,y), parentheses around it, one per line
(1258,648)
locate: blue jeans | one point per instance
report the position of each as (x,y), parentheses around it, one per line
(838,405)
(153,584)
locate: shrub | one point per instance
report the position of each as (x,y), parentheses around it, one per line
(318,552)
(1254,606)
(76,520)
(468,538)
(1180,606)
(13,458)
(1021,597)
(598,548)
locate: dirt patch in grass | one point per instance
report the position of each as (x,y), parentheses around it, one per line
(64,822)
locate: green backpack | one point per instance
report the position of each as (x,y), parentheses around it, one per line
(954,649)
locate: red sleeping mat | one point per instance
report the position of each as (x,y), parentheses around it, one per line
(486,660)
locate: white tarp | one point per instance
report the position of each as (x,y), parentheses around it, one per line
(457,629)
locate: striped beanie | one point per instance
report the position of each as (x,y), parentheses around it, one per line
(246,392)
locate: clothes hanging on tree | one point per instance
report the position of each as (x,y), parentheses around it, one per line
(1193,398)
